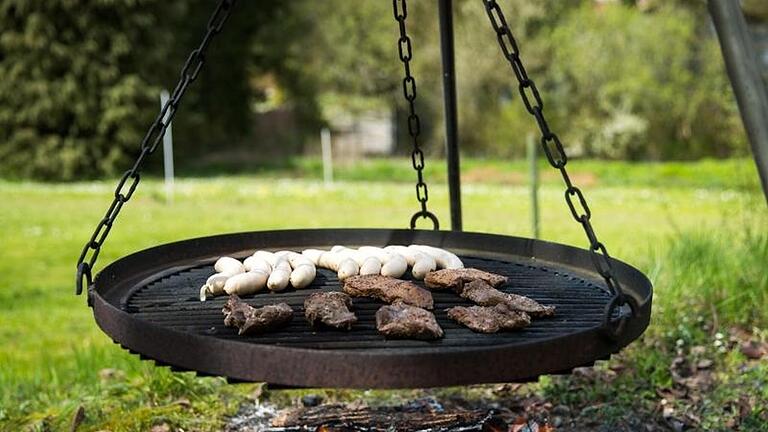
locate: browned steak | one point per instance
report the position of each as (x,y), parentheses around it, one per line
(489,319)
(485,295)
(388,289)
(402,321)
(456,278)
(235,312)
(330,308)
(250,320)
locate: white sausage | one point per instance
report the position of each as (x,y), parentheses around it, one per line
(332,260)
(283,254)
(266,256)
(346,268)
(368,263)
(229,265)
(302,275)
(342,252)
(246,283)
(393,264)
(379,253)
(421,263)
(327,260)
(280,276)
(313,255)
(214,285)
(371,266)
(297,259)
(410,256)
(216,282)
(443,258)
(257,263)
(303,269)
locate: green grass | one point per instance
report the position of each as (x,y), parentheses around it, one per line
(707,173)
(702,238)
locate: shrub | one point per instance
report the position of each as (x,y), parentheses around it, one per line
(74,87)
(643,84)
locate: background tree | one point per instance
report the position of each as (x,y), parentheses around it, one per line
(72,88)
(79,80)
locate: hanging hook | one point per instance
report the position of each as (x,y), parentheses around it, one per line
(613,328)
(425,214)
(83,271)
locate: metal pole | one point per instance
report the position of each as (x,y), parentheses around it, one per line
(445,12)
(325,147)
(534,181)
(744,72)
(167,152)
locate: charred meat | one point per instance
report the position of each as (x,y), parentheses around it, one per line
(236,312)
(483,294)
(456,278)
(489,319)
(388,289)
(250,320)
(403,321)
(332,309)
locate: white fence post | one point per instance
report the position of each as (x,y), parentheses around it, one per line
(167,152)
(325,144)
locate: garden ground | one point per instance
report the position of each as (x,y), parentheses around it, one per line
(699,230)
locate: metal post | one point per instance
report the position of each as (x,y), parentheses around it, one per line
(167,151)
(445,12)
(533,160)
(326,150)
(744,72)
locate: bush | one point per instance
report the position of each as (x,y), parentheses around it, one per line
(643,84)
(81,80)
(74,93)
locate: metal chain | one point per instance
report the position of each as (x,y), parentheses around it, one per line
(404,50)
(128,182)
(556,156)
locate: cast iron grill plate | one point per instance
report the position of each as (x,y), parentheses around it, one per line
(148,302)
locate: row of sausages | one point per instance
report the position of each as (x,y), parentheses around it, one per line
(276,270)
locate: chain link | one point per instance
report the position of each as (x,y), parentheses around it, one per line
(405,52)
(149,144)
(556,156)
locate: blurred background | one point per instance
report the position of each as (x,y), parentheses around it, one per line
(636,90)
(629,80)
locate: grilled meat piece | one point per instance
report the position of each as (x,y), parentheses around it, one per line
(485,295)
(403,321)
(489,319)
(250,320)
(388,289)
(236,312)
(456,278)
(330,308)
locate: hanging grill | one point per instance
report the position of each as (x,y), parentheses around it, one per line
(148,301)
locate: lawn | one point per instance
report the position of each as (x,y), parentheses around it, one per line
(699,230)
